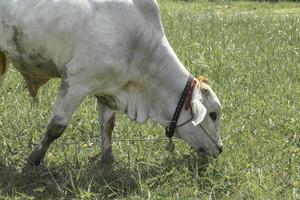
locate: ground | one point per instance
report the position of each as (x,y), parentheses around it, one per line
(251,53)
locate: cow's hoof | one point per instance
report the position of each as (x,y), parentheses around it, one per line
(107,162)
(107,159)
(34,159)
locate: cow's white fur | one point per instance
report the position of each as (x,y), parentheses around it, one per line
(113,48)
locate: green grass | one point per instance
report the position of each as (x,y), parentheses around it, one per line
(226,7)
(253,62)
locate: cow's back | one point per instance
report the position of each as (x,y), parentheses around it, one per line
(38,36)
(42,37)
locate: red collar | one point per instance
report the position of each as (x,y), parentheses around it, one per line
(190,95)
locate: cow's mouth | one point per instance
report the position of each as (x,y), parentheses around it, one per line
(202,152)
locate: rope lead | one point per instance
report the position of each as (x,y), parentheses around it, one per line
(170,146)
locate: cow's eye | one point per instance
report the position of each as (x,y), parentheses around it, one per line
(213,116)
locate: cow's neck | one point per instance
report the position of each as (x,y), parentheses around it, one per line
(168,84)
(162,79)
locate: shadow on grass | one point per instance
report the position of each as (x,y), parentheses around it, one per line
(66,181)
(92,180)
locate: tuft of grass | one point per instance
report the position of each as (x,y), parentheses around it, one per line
(253,64)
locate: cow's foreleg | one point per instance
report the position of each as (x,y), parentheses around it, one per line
(69,98)
(3,67)
(107,123)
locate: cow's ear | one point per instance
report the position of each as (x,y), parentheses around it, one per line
(199,111)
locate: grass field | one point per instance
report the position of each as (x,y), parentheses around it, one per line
(250,52)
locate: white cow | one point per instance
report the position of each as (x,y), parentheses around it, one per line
(114,49)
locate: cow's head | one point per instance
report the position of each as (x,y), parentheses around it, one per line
(202,133)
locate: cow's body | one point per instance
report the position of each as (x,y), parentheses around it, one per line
(119,33)
(114,49)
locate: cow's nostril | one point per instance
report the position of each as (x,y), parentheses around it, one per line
(201,150)
(220,149)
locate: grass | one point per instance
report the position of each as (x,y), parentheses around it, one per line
(253,62)
(225,7)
